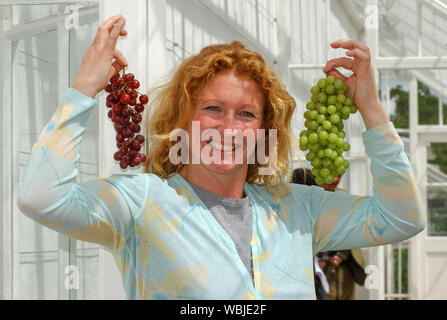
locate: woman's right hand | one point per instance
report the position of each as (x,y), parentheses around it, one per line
(102,60)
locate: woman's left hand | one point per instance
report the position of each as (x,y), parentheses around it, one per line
(362,84)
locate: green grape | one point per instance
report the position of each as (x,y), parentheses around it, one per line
(315,147)
(330,79)
(354,109)
(334,129)
(328,152)
(322,83)
(306,115)
(331,109)
(332,146)
(304,140)
(334,118)
(339,141)
(341,98)
(313,125)
(322,110)
(323,135)
(315,90)
(321,154)
(339,161)
(342,134)
(346,165)
(346,111)
(345,116)
(319,180)
(324,172)
(333,137)
(346,146)
(303,133)
(339,151)
(338,84)
(310,106)
(338,105)
(330,89)
(324,142)
(307,123)
(314,98)
(327,162)
(321,118)
(313,138)
(313,114)
(310,156)
(345,88)
(322,97)
(332,100)
(329,179)
(348,102)
(315,172)
(320,128)
(327,125)
(341,170)
(304,147)
(316,162)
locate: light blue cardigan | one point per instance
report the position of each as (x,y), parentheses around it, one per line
(169,246)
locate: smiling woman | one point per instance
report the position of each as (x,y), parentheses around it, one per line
(210,230)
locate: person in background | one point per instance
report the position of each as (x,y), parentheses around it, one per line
(304,176)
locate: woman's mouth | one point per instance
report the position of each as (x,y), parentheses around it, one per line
(225,148)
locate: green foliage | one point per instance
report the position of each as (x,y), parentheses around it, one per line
(404,270)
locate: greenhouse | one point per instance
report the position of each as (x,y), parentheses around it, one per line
(43,43)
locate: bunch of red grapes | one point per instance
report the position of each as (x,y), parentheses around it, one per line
(127,106)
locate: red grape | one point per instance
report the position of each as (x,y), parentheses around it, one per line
(139,108)
(125,98)
(135,84)
(140,139)
(144,99)
(126,106)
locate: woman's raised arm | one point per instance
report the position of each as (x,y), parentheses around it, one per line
(100,211)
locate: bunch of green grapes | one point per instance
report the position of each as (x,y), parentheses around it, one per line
(324,135)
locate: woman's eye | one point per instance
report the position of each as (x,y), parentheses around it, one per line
(248,114)
(212,108)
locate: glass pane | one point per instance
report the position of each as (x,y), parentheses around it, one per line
(394,92)
(398,28)
(34,73)
(428,105)
(437,211)
(433,27)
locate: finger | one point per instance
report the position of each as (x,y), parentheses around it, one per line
(358,54)
(104,28)
(119,57)
(116,68)
(115,33)
(349,45)
(110,23)
(346,63)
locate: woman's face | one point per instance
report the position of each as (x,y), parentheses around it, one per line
(228,105)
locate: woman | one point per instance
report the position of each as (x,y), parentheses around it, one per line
(207,230)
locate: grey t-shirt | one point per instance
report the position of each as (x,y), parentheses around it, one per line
(235,216)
